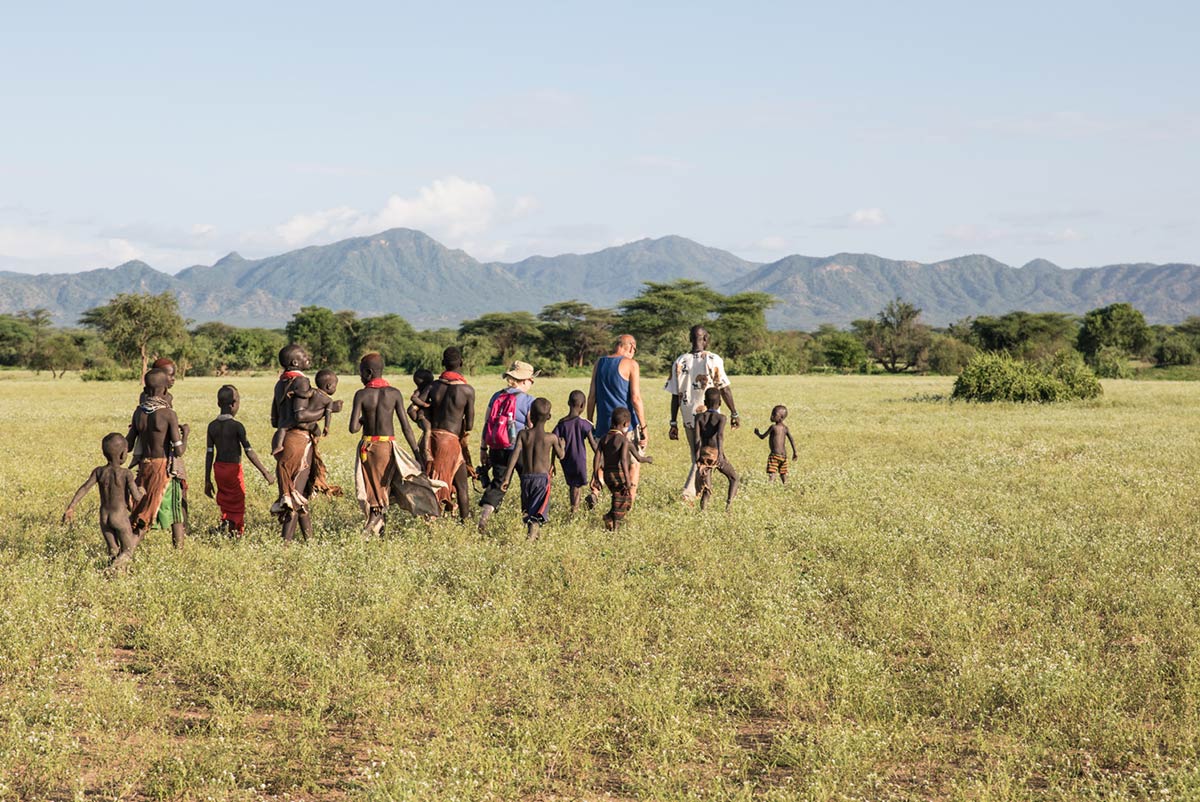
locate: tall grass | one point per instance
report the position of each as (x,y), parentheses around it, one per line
(948,601)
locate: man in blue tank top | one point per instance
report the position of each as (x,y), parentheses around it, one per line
(616,382)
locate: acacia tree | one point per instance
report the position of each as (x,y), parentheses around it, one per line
(896,337)
(39,321)
(136,325)
(507,331)
(741,324)
(322,333)
(1116,326)
(660,316)
(575,331)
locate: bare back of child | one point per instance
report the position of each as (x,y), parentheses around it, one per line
(612,466)
(225,445)
(710,454)
(780,438)
(119,491)
(534,451)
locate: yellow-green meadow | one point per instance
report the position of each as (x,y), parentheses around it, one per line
(946,601)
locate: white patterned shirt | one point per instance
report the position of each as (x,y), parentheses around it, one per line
(691,375)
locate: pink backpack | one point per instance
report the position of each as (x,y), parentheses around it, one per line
(500,427)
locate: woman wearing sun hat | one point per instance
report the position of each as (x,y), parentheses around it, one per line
(505,415)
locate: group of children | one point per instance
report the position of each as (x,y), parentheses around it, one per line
(535,450)
(533,456)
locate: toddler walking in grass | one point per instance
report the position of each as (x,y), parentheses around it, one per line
(576,433)
(615,454)
(119,491)
(777,461)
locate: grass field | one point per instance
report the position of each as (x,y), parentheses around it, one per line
(950,601)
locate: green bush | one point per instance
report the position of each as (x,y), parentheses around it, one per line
(767,362)
(999,377)
(1069,368)
(1112,362)
(948,356)
(109,373)
(1175,349)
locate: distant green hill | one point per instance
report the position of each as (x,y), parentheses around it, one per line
(408,273)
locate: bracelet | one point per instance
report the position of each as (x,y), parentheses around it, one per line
(674,423)
(734,415)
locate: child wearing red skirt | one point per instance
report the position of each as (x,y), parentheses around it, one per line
(223,461)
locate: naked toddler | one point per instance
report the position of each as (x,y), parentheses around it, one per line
(118,493)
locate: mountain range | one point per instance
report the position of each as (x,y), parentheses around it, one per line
(408,273)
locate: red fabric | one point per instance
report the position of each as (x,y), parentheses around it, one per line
(451,376)
(231,493)
(288,375)
(374,383)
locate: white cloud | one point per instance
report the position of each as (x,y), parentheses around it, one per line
(452,209)
(770,244)
(871,217)
(36,247)
(1058,236)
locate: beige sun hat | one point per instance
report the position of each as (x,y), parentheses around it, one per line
(520,371)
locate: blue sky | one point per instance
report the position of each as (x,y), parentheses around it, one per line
(919,131)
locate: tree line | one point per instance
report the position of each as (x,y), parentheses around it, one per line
(119,338)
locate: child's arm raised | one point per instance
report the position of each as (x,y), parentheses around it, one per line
(762,435)
(69,514)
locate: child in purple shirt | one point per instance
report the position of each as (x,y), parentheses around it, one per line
(576,433)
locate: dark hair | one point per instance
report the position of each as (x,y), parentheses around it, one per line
(113,444)
(155,379)
(620,418)
(287,354)
(540,409)
(372,362)
(422,376)
(576,399)
(779,411)
(712,398)
(452,358)
(326,373)
(226,396)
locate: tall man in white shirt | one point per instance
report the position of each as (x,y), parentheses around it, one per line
(692,374)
